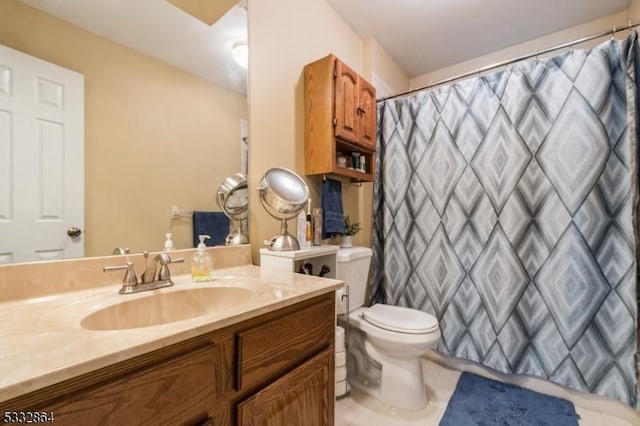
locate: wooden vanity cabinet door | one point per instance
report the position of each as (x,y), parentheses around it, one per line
(367,115)
(346,103)
(305,396)
(179,390)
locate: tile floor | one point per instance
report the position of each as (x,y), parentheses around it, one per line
(361,410)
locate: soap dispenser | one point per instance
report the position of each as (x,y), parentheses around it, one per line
(168,244)
(201,262)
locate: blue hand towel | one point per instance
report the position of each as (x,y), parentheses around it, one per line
(213,224)
(332,211)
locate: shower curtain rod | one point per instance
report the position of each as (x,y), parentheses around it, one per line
(514,60)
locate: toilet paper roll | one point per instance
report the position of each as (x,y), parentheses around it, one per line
(341,358)
(341,373)
(341,301)
(341,388)
(339,339)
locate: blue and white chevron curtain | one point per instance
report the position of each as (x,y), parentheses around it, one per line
(505,206)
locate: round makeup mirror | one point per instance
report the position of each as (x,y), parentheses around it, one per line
(233,199)
(283,194)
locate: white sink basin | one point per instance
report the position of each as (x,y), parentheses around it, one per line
(163,308)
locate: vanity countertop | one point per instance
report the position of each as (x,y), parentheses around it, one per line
(42,341)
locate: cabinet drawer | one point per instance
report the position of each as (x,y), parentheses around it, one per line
(170,392)
(276,346)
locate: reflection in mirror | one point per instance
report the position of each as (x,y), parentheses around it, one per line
(155,135)
(233,199)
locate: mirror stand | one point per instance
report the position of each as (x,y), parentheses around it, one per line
(284,241)
(237,236)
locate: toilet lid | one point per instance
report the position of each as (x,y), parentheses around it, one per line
(400,319)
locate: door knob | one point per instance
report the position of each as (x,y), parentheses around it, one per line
(74,232)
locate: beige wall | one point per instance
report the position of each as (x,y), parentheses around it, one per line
(155,136)
(573,33)
(284,36)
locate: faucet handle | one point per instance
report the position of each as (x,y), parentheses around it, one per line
(165,260)
(129,280)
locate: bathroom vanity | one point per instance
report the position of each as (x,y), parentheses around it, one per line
(264,359)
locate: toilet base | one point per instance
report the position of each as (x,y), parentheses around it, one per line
(394,381)
(373,389)
(402,384)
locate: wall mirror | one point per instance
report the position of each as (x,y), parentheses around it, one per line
(165,113)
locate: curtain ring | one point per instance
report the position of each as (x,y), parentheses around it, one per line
(613,32)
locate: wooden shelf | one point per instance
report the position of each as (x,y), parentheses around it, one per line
(354,175)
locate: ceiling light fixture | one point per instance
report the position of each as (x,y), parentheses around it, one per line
(240,53)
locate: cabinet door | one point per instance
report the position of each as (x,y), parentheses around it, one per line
(305,396)
(367,125)
(346,103)
(177,391)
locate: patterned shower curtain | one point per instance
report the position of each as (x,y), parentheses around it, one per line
(505,204)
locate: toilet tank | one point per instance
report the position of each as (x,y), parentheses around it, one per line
(353,268)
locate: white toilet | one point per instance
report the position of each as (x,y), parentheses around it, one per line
(385,343)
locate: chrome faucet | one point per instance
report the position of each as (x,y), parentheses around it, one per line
(152,278)
(153,274)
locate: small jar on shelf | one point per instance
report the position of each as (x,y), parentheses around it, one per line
(355,160)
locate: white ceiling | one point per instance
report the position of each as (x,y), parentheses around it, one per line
(423,36)
(162,31)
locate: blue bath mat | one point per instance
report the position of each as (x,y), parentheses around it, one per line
(484,402)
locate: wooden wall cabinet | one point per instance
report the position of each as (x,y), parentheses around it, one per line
(277,368)
(340,117)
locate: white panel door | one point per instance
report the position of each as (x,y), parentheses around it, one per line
(41,159)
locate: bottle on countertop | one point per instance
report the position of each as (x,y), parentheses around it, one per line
(301,234)
(168,244)
(317,227)
(309,228)
(201,262)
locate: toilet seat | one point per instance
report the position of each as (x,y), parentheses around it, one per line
(400,319)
